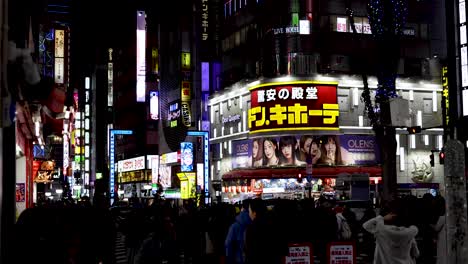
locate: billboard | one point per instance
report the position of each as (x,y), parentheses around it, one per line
(299,105)
(331,150)
(186,159)
(241,154)
(141,56)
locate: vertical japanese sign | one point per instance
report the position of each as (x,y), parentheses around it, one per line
(186,153)
(186,90)
(59,68)
(110,80)
(445,97)
(299,105)
(204,20)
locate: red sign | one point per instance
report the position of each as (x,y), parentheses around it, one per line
(299,105)
(300,253)
(341,253)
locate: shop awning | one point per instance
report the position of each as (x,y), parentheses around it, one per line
(320,172)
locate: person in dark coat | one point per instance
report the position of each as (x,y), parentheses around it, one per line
(235,239)
(261,243)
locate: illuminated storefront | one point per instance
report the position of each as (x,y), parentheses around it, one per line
(264,133)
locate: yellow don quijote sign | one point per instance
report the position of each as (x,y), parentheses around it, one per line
(298,105)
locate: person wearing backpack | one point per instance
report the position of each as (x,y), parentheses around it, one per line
(344,232)
(235,238)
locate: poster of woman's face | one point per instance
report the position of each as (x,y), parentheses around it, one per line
(270,152)
(309,145)
(257,152)
(331,151)
(288,150)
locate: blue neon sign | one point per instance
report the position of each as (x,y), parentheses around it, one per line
(206,143)
(112,158)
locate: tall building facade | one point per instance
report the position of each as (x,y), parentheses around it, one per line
(291,78)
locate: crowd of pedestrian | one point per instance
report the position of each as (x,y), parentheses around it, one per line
(406,230)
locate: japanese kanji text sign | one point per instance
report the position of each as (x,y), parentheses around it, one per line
(299,105)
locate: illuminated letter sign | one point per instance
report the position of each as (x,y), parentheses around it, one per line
(300,105)
(186,114)
(445,96)
(141,56)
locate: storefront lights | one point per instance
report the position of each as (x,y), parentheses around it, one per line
(47,194)
(426,140)
(402,159)
(59,191)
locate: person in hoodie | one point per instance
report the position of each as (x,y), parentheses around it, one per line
(395,237)
(235,238)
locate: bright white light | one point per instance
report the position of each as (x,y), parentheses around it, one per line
(141,57)
(212,114)
(214,132)
(402,159)
(434,101)
(212,171)
(240,102)
(239,127)
(77,187)
(412,141)
(419,118)
(37,127)
(87,83)
(397,137)
(59,191)
(230,147)
(244,121)
(147,187)
(47,194)
(220,150)
(465,102)
(221,108)
(361,121)
(426,140)
(218,165)
(120,192)
(355,96)
(222,131)
(231,130)
(67,114)
(411,95)
(440,142)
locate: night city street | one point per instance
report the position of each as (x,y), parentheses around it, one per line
(233,132)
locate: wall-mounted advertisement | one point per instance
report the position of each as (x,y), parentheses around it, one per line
(165,175)
(300,106)
(187,184)
(134,164)
(174,113)
(241,154)
(331,150)
(186,153)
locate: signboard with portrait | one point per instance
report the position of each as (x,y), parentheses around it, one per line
(299,106)
(329,150)
(20,192)
(186,159)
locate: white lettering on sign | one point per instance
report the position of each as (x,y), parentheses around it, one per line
(286,30)
(294,93)
(231,118)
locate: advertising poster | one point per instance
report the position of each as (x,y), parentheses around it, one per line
(241,154)
(300,254)
(361,149)
(326,150)
(341,253)
(184,190)
(20,192)
(186,161)
(165,175)
(192,185)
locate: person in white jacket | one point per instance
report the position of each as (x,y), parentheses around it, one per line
(395,243)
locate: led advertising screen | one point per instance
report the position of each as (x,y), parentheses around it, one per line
(186,160)
(300,106)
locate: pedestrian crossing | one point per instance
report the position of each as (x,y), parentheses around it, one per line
(120,251)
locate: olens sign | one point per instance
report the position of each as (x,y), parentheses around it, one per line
(298,105)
